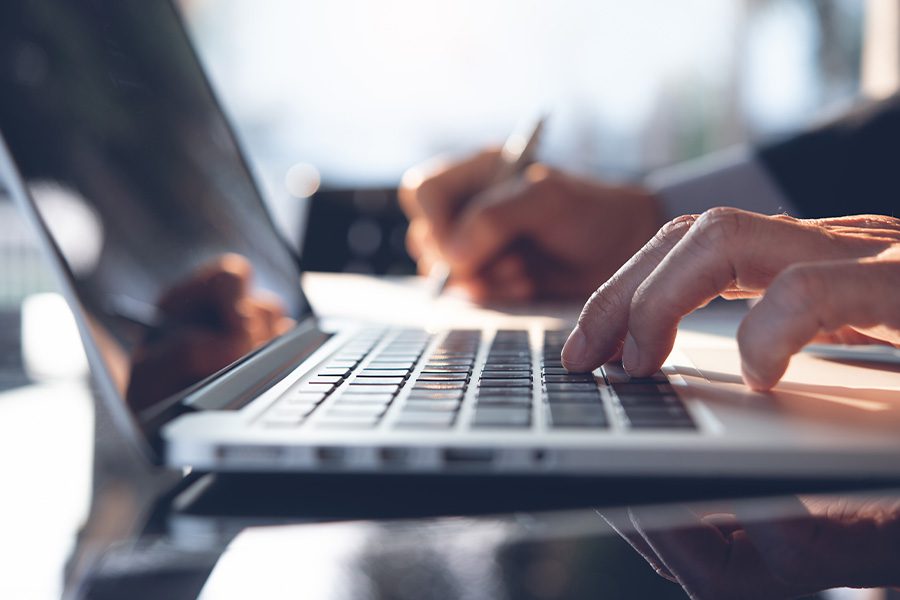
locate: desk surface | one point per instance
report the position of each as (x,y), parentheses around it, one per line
(62,461)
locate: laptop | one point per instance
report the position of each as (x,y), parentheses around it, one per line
(201,339)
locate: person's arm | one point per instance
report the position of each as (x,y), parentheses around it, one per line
(848,165)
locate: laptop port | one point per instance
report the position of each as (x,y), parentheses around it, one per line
(330,455)
(395,456)
(468,456)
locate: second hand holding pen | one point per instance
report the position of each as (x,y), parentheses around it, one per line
(517,153)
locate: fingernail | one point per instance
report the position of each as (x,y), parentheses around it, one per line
(631,356)
(575,348)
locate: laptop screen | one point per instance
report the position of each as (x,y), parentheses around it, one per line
(139,182)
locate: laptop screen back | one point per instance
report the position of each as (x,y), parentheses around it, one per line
(137,178)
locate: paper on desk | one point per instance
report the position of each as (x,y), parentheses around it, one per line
(408,301)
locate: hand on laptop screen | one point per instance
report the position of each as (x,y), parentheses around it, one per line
(798,548)
(832,280)
(208,321)
(544,233)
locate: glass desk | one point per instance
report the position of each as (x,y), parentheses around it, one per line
(83,517)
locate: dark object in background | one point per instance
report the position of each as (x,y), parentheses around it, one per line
(356,231)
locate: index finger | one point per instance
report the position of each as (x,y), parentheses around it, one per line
(601,327)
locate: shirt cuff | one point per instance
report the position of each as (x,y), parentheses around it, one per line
(731,177)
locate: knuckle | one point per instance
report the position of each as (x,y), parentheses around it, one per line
(785,217)
(719,226)
(601,306)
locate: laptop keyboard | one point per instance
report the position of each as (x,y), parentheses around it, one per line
(401,379)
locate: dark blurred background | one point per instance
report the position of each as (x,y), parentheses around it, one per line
(335,100)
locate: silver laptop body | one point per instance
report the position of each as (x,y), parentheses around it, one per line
(196,327)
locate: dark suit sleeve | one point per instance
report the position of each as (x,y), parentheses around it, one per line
(848,166)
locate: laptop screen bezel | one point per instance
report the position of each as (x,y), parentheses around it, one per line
(142,427)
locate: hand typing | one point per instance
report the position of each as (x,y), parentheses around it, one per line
(827,279)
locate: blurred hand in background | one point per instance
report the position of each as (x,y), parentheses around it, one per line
(211,319)
(800,546)
(544,234)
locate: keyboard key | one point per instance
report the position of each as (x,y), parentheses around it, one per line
(335,371)
(667,416)
(356,410)
(402,373)
(341,364)
(505,373)
(656,412)
(390,366)
(432,405)
(507,367)
(571,387)
(556,371)
(635,389)
(502,416)
(425,420)
(397,358)
(433,368)
(571,378)
(391,381)
(342,422)
(425,395)
(334,380)
(440,385)
(450,362)
(524,382)
(373,389)
(646,423)
(315,387)
(616,374)
(577,415)
(425,376)
(574,397)
(629,400)
(350,398)
(517,399)
(504,391)
(305,397)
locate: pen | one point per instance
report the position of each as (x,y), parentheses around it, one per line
(517,153)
